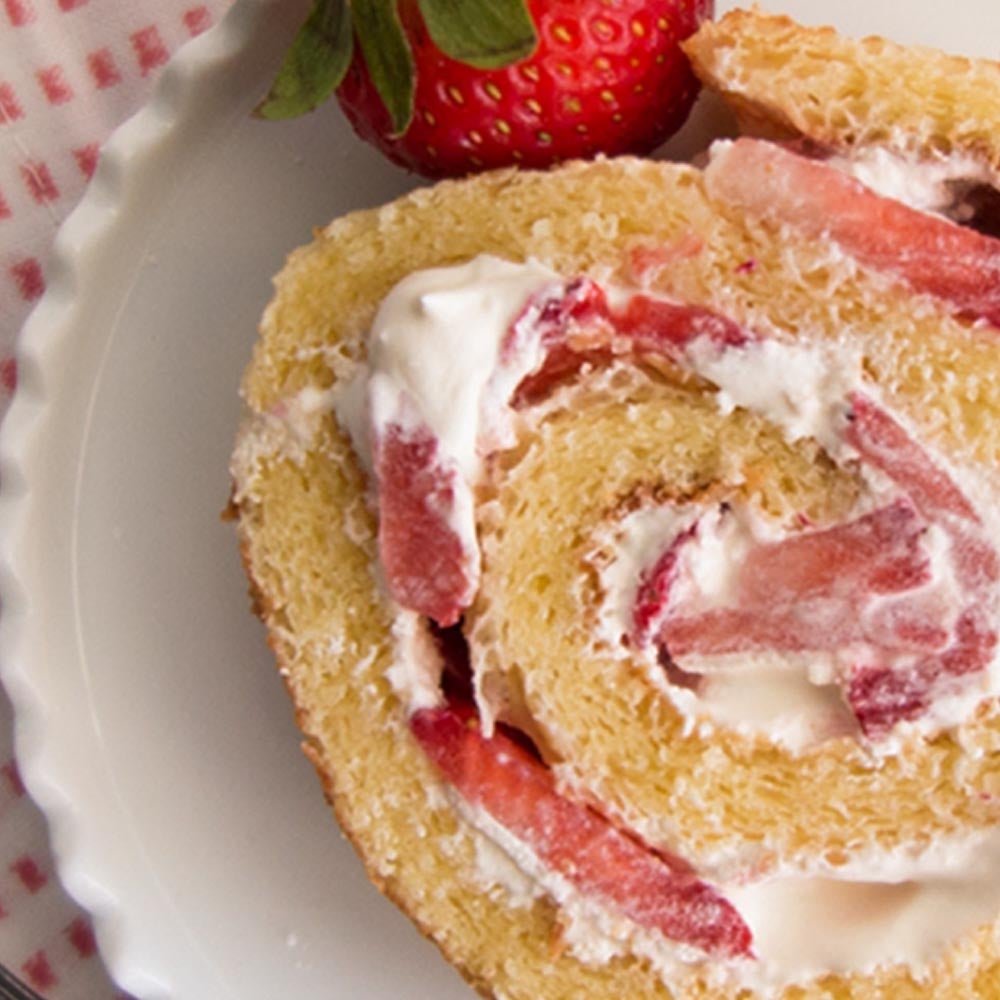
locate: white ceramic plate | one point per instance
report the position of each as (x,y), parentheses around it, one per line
(152,726)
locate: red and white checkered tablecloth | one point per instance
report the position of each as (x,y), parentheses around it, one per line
(71,71)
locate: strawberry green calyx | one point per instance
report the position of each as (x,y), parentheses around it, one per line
(315,63)
(485,34)
(387,55)
(449,87)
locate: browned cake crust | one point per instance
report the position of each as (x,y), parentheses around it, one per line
(786,79)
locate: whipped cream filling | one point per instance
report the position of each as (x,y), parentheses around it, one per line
(808,925)
(436,358)
(799,387)
(937,184)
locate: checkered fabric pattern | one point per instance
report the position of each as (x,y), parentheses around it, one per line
(71,71)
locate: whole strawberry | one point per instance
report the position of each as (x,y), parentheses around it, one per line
(445,87)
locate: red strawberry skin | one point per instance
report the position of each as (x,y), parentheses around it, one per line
(606,77)
(518,791)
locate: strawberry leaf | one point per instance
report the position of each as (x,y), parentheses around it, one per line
(486,34)
(388,58)
(314,65)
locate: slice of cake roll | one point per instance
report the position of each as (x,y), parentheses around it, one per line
(628,537)
(911,122)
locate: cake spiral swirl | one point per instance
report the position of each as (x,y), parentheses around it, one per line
(649,614)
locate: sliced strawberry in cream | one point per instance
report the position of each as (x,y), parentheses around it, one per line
(427,565)
(930,254)
(882,695)
(881,698)
(557,315)
(655,586)
(577,324)
(865,589)
(876,553)
(811,590)
(661,327)
(884,444)
(517,791)
(425,407)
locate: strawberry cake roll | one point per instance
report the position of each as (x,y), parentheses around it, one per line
(628,539)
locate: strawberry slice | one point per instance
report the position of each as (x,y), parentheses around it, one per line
(558,314)
(660,327)
(881,695)
(501,777)
(571,323)
(427,567)
(928,253)
(655,586)
(578,326)
(807,625)
(881,698)
(876,553)
(884,443)
(808,591)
